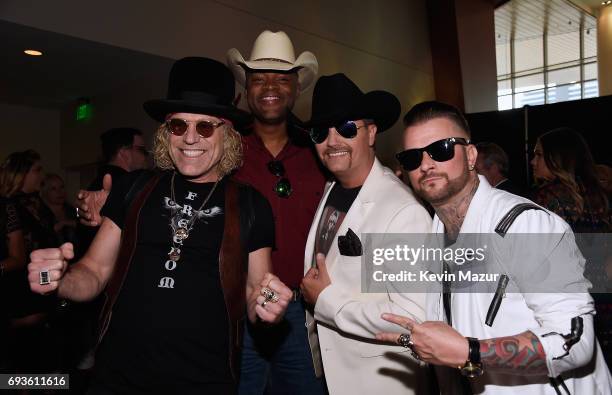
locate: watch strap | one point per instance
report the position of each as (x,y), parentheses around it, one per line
(474,350)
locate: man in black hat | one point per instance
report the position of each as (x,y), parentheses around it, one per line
(181,253)
(365,198)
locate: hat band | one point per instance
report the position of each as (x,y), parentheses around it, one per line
(272,60)
(202,97)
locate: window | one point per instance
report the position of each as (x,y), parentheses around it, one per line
(546,53)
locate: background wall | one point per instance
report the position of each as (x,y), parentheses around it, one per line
(26,127)
(380,45)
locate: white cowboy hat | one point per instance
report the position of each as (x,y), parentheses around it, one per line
(274,52)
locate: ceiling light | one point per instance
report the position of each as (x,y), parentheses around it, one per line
(32,52)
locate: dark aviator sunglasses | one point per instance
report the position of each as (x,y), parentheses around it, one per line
(347,129)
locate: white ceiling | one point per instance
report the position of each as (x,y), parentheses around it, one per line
(525,19)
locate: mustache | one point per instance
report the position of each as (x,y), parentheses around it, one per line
(432,174)
(337,148)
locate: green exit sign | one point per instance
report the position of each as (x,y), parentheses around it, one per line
(84,112)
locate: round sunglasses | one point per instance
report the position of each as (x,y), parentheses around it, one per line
(440,151)
(347,129)
(205,129)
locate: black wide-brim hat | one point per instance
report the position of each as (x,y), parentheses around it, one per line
(337,99)
(199,86)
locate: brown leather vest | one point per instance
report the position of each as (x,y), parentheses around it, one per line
(232,265)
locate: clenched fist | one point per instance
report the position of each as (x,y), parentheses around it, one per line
(270,309)
(52,260)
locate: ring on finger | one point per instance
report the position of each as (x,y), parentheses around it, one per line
(405,341)
(77,213)
(269,294)
(415,355)
(43,277)
(263,304)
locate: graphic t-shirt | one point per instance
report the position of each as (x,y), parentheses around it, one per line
(337,205)
(169,329)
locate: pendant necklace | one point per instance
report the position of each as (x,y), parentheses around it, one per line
(181,231)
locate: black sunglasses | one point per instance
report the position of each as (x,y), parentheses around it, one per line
(283,186)
(205,129)
(440,151)
(348,130)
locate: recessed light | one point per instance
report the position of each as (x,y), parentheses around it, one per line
(32,52)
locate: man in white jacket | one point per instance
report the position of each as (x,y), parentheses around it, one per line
(527,341)
(366,198)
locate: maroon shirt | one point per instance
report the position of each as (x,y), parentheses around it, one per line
(293,215)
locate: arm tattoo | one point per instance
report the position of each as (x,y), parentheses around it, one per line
(520,354)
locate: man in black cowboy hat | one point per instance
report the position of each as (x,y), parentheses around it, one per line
(280,162)
(365,198)
(182,253)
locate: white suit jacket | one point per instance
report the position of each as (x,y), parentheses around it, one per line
(584,371)
(348,320)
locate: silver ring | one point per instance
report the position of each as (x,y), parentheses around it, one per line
(43,277)
(77,213)
(269,295)
(415,355)
(405,341)
(263,304)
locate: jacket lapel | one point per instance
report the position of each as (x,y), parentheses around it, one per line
(312,234)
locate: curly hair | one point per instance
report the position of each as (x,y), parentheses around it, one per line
(14,169)
(232,149)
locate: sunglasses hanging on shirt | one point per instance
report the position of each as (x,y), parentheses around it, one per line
(282,187)
(440,151)
(348,130)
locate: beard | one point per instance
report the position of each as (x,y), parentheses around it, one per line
(444,189)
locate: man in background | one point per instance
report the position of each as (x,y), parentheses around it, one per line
(493,163)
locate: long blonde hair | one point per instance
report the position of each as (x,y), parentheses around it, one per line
(232,149)
(14,169)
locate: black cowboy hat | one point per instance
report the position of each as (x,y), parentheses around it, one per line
(199,86)
(337,99)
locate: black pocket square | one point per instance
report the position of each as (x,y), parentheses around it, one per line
(350,245)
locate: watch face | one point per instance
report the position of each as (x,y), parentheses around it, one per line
(472,370)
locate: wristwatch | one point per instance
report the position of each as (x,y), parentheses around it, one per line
(473,366)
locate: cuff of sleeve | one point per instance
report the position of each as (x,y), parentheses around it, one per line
(553,347)
(330,301)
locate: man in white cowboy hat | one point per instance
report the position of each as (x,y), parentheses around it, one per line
(181,253)
(279,162)
(365,198)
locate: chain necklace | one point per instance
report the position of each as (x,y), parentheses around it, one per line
(181,231)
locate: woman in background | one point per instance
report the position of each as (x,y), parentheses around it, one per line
(570,187)
(568,184)
(53,195)
(33,347)
(12,258)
